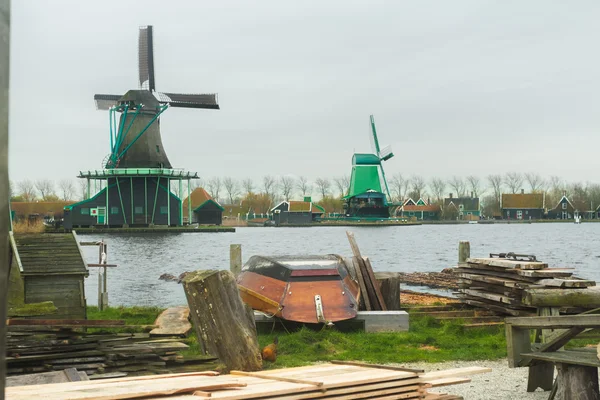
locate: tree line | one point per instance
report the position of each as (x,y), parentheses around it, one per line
(262,194)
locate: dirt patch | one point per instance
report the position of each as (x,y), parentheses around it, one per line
(428,348)
(409,297)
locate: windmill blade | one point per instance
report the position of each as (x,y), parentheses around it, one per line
(146,59)
(106,101)
(374,140)
(189,100)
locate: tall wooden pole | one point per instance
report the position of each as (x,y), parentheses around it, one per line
(4,194)
(235,259)
(464,251)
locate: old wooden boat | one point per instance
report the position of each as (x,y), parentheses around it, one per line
(307,289)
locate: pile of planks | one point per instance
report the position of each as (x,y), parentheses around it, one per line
(35,346)
(501,284)
(331,381)
(371,297)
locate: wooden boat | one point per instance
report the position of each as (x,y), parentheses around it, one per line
(307,289)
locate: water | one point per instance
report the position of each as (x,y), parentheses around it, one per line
(142,258)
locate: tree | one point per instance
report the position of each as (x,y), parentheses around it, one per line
(67,189)
(46,188)
(458,185)
(341,185)
(535,181)
(27,190)
(286,183)
(83,188)
(269,187)
(232,188)
(438,188)
(514,181)
(214,187)
(474,184)
(247,185)
(417,184)
(303,185)
(323,185)
(496,185)
(399,186)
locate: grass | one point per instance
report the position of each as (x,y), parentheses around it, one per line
(26,227)
(428,340)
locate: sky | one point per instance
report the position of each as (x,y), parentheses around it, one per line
(457,88)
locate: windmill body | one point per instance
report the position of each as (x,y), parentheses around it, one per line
(366,197)
(133,188)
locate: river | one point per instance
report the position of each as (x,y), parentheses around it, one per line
(142,258)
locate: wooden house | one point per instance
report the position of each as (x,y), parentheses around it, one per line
(523,206)
(296,212)
(205,210)
(49,267)
(421,210)
(462,207)
(563,210)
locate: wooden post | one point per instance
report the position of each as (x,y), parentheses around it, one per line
(224,325)
(577,382)
(464,251)
(4,194)
(235,259)
(389,283)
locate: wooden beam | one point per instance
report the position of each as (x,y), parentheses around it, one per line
(587,297)
(5,221)
(276,378)
(379,366)
(554,322)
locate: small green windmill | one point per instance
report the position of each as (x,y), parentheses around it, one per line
(365,195)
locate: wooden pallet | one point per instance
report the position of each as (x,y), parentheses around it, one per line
(332,381)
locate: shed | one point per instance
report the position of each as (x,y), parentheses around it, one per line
(296,212)
(205,210)
(563,210)
(51,267)
(523,205)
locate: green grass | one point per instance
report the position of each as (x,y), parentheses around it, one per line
(428,340)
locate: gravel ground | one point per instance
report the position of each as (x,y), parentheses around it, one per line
(502,383)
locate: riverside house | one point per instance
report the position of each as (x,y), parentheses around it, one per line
(523,206)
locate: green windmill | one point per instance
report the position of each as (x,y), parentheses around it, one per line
(136,175)
(365,195)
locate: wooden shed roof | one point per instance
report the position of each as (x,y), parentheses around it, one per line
(49,253)
(523,200)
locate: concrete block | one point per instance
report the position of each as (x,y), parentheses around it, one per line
(384,321)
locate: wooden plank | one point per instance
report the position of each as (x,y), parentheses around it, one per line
(554,322)
(504,310)
(361,282)
(371,275)
(370,285)
(163,393)
(566,357)
(491,296)
(173,321)
(546,273)
(363,364)
(454,372)
(276,378)
(566,283)
(588,297)
(506,263)
(498,274)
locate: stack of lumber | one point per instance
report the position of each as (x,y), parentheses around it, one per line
(503,284)
(331,381)
(35,346)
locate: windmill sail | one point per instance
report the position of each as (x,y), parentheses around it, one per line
(146,59)
(188,100)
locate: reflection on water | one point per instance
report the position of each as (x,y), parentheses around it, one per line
(142,258)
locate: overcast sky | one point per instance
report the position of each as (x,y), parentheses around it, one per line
(457,88)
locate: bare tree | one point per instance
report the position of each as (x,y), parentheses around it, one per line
(556,183)
(11,189)
(67,189)
(496,185)
(83,188)
(535,181)
(399,186)
(340,184)
(232,188)
(458,185)
(323,185)
(438,188)
(248,186)
(417,184)
(303,185)
(45,187)
(514,181)
(269,186)
(474,184)
(27,190)
(214,187)
(286,183)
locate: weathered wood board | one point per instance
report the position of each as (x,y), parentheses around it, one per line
(506,263)
(173,321)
